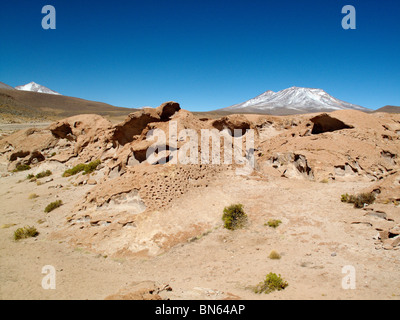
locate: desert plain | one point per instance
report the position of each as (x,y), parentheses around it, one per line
(132,229)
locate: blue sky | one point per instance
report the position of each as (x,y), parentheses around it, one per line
(203,54)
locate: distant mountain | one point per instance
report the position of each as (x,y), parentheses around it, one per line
(294,100)
(26,104)
(34,87)
(389,109)
(5,86)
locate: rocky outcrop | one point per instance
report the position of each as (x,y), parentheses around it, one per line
(388,189)
(130,187)
(325,123)
(138,121)
(235,122)
(292,165)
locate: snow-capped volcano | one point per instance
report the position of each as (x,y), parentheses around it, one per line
(32,86)
(293,100)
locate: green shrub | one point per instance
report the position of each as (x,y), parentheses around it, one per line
(70,172)
(348,198)
(22,167)
(271,283)
(43,174)
(274,223)
(53,205)
(364,198)
(359,200)
(274,255)
(91,166)
(33,196)
(87,168)
(234,217)
(25,232)
(344,197)
(30,176)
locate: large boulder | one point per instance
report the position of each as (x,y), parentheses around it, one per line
(238,122)
(326,123)
(137,121)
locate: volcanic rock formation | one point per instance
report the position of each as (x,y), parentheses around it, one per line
(120,214)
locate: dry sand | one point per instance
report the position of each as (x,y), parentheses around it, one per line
(316,239)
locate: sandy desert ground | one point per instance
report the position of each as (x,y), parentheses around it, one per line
(155,231)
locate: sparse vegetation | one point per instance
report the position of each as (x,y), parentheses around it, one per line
(22,167)
(33,196)
(274,255)
(43,174)
(234,217)
(273,223)
(195,238)
(359,200)
(364,198)
(30,176)
(91,166)
(271,283)
(75,170)
(53,205)
(348,198)
(87,168)
(7,225)
(25,232)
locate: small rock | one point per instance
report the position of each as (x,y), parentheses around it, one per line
(395,230)
(378,214)
(387,246)
(384,234)
(91,182)
(114,173)
(80,180)
(333,254)
(394,242)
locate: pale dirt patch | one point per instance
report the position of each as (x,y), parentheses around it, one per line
(315,240)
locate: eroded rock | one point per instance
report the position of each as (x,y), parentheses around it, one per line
(326,123)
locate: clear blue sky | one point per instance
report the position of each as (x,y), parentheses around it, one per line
(204,54)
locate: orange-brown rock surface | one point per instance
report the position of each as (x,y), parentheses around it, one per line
(128,208)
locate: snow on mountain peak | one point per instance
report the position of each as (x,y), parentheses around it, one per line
(295,98)
(34,87)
